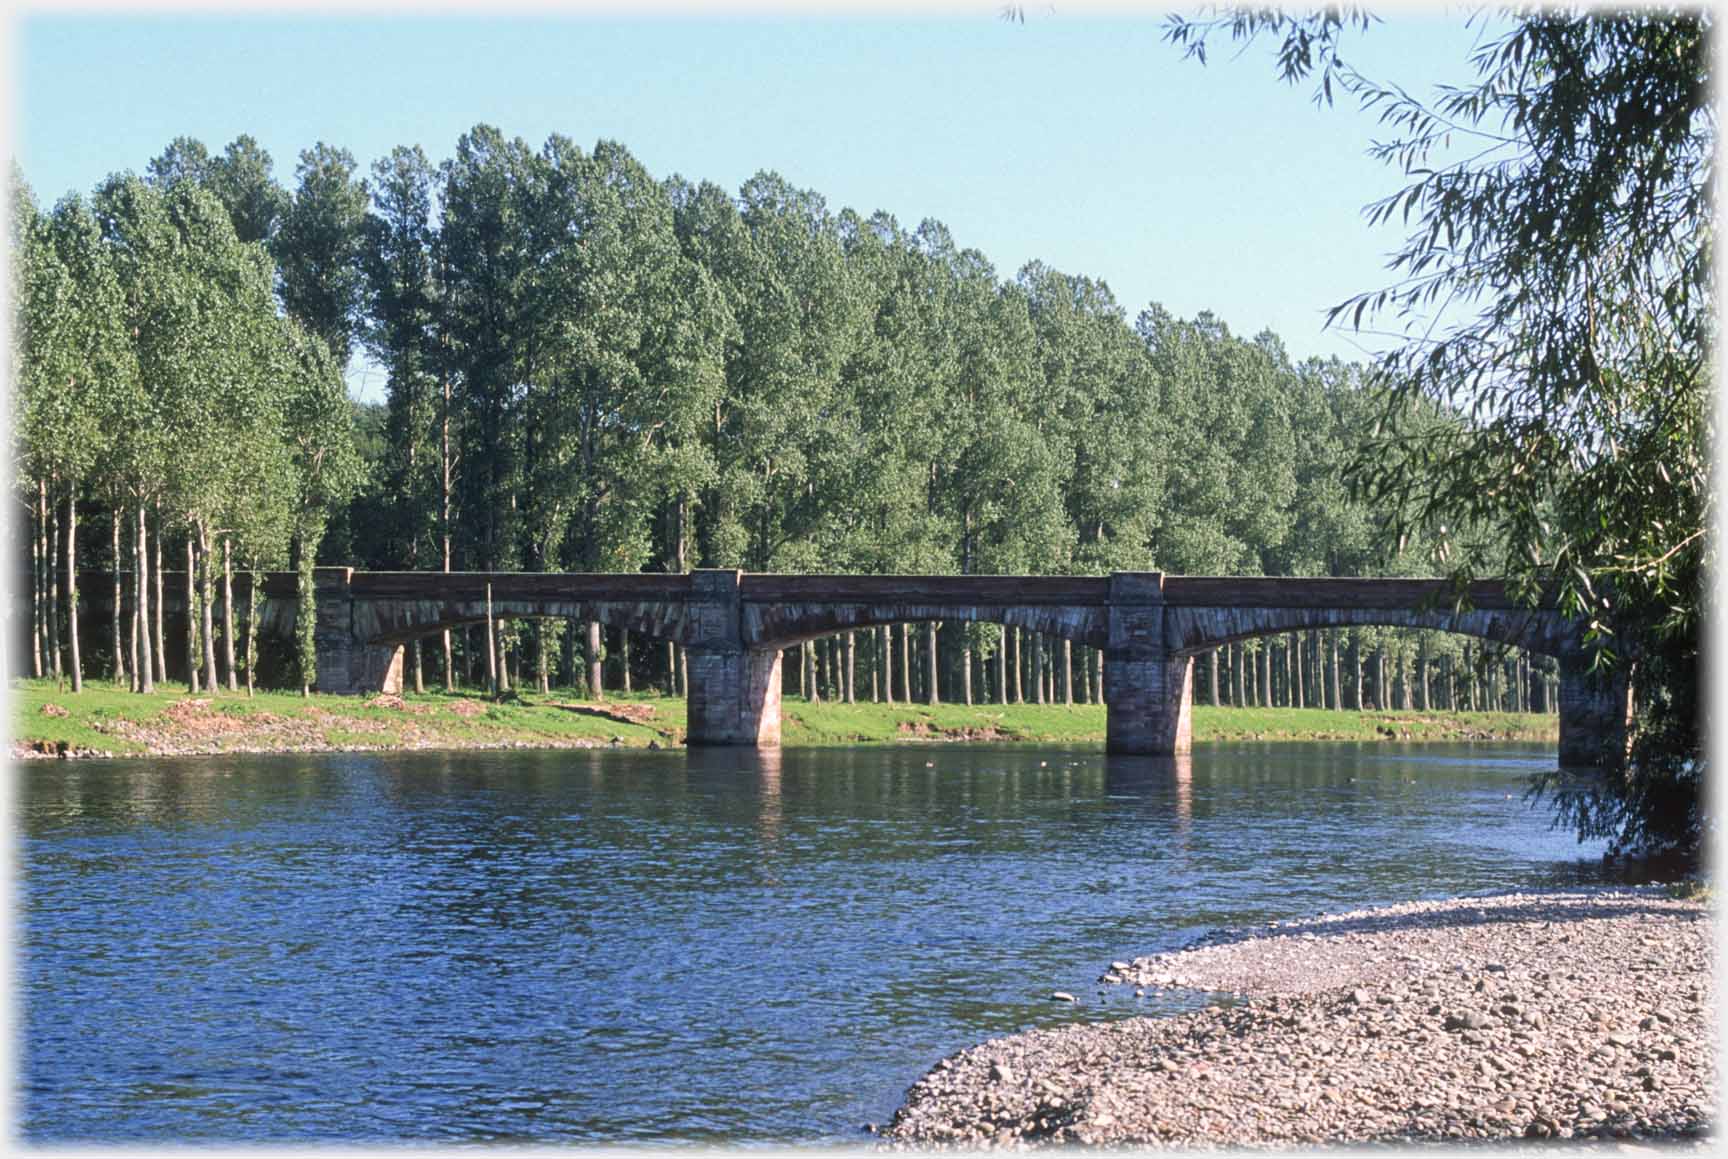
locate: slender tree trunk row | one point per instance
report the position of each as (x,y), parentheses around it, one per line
(1312,669)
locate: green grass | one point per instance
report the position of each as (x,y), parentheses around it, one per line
(285,719)
(1321,724)
(830,723)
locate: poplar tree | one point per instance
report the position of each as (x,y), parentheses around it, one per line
(318,244)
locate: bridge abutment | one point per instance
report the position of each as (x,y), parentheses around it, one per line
(1595,713)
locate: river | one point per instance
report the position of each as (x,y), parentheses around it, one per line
(713,946)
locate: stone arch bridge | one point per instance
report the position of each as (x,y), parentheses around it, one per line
(733,626)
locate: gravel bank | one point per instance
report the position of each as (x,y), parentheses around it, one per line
(1565,1015)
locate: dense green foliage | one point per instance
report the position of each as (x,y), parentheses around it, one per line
(1551,375)
(157,375)
(588,368)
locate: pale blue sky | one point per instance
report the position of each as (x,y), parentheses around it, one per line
(1083,141)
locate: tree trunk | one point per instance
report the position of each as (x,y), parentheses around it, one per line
(966,669)
(144,653)
(140,637)
(77,662)
(624,657)
(851,668)
(596,684)
(1002,666)
(161,606)
(191,615)
(1422,673)
(207,608)
(1038,667)
(491,647)
(1356,666)
(55,655)
(906,661)
(543,656)
(254,601)
(1295,664)
(931,693)
(38,601)
(1067,671)
(228,612)
(445,468)
(120,678)
(1335,680)
(888,663)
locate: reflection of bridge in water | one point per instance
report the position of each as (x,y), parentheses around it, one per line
(734,625)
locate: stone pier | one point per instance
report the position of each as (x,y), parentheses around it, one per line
(1148,692)
(347,661)
(734,696)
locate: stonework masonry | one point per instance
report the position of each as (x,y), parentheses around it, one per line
(733,626)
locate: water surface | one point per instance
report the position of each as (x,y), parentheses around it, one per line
(705,946)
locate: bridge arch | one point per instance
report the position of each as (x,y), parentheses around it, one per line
(785,626)
(1191,631)
(392,623)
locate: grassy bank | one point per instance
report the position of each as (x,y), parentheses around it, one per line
(104,719)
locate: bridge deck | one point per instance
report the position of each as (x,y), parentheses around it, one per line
(923,590)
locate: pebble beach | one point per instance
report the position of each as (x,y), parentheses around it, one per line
(1569,1015)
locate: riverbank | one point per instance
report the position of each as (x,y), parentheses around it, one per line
(1565,1015)
(106,721)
